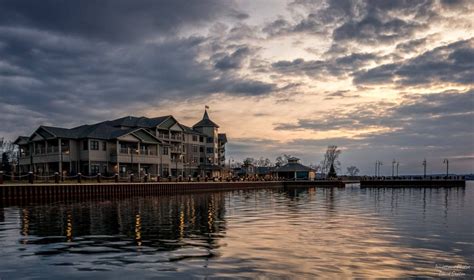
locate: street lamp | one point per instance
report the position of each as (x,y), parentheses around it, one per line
(447,167)
(398,163)
(393,167)
(424,168)
(179,157)
(379,164)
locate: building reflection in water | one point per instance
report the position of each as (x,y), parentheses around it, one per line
(147,221)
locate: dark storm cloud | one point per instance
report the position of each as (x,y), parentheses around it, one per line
(453,63)
(339,66)
(233,60)
(120,20)
(371,30)
(364,22)
(71,69)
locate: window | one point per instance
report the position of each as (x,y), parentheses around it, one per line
(104,146)
(195,138)
(85,145)
(201,139)
(195,148)
(210,140)
(95,168)
(95,145)
(201,149)
(210,150)
(195,159)
(201,160)
(165,150)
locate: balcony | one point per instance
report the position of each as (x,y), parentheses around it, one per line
(177,150)
(125,151)
(52,149)
(177,137)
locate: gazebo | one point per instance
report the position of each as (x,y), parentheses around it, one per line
(294,170)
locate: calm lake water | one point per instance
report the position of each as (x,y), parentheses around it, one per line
(265,234)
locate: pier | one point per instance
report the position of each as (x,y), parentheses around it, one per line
(435,183)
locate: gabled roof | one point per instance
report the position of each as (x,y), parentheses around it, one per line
(21,140)
(189,130)
(130,121)
(264,170)
(293,167)
(206,121)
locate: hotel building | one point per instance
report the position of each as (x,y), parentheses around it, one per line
(158,146)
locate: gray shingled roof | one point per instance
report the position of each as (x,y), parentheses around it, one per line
(130,121)
(206,121)
(106,130)
(293,167)
(188,129)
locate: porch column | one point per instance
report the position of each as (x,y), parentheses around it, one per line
(60,149)
(70,156)
(117,151)
(139,170)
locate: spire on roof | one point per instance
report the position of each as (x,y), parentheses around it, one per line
(206,121)
(206,116)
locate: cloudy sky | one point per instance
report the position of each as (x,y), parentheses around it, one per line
(382,79)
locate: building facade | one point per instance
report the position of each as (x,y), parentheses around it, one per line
(158,146)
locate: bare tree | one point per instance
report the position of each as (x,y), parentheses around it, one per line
(282,160)
(249,161)
(263,162)
(331,158)
(9,154)
(352,170)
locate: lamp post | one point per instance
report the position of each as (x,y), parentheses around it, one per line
(376,166)
(378,169)
(176,161)
(424,168)
(230,168)
(209,160)
(161,149)
(398,163)
(393,167)
(447,167)
(61,156)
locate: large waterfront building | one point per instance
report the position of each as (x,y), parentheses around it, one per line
(140,145)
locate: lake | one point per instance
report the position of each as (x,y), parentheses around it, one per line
(265,234)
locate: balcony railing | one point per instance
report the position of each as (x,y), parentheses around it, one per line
(176,149)
(178,137)
(125,151)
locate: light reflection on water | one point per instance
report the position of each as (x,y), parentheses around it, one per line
(326,233)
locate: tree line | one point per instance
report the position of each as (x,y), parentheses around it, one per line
(329,166)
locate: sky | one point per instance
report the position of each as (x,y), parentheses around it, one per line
(381,79)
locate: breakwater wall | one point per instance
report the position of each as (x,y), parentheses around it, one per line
(412,183)
(48,193)
(65,192)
